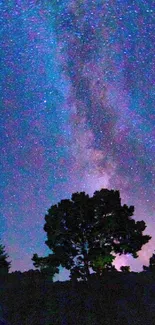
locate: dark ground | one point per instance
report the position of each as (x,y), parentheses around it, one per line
(118,299)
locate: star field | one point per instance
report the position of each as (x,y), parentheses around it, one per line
(77,114)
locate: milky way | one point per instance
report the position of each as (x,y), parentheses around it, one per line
(76,114)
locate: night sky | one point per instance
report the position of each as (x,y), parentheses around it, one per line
(76,114)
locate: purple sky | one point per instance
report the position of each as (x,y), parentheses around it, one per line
(76,114)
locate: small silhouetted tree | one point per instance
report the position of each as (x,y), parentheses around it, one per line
(151,266)
(47,266)
(125,268)
(84,232)
(4,264)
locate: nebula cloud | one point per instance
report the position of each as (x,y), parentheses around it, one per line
(77,114)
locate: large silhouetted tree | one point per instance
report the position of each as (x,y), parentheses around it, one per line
(85,232)
(4,264)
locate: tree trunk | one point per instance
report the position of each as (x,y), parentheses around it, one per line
(85,255)
(86,265)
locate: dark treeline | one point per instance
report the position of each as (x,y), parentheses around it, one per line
(83,233)
(116,298)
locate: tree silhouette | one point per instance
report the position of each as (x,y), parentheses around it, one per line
(84,232)
(4,264)
(46,265)
(151,266)
(125,269)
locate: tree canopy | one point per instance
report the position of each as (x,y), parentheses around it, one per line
(46,265)
(84,232)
